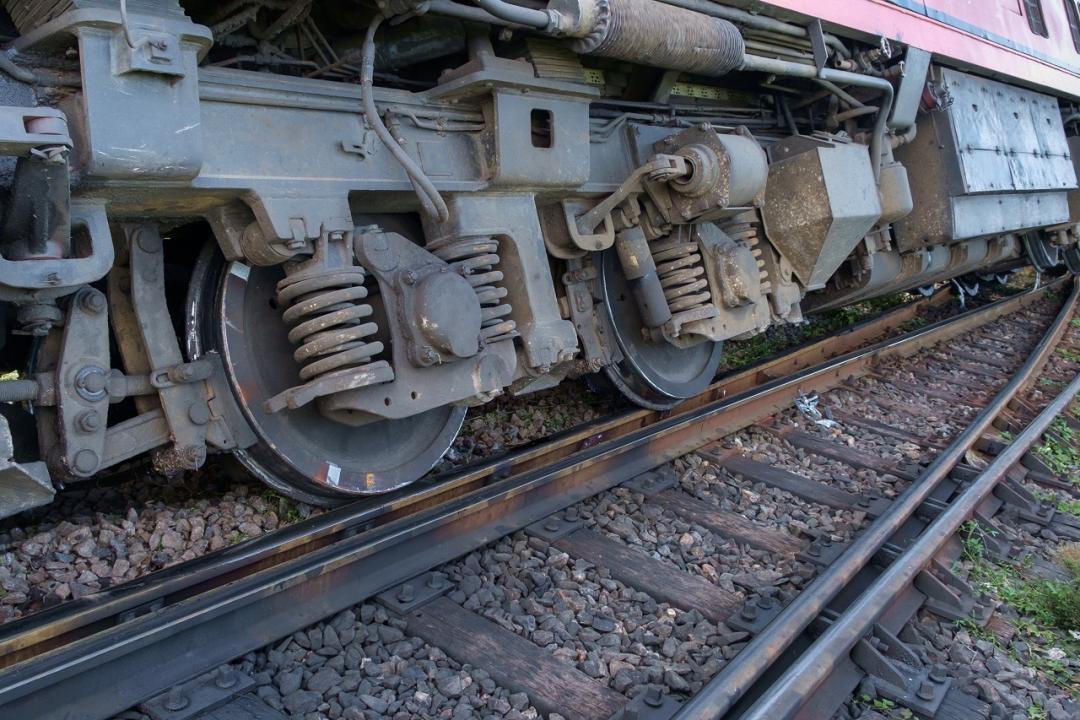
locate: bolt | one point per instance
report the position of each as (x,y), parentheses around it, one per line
(183,373)
(199,412)
(571,515)
(551,525)
(926,691)
(653,697)
(749,612)
(226,677)
(937,674)
(826,542)
(176,699)
(148,240)
(88,421)
(92,301)
(85,462)
(408,277)
(863,501)
(91,381)
(764,602)
(429,355)
(814,549)
(436,581)
(407,593)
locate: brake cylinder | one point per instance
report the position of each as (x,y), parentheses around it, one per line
(653,33)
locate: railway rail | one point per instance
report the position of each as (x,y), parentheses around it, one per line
(97,657)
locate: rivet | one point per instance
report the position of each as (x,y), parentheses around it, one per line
(86,461)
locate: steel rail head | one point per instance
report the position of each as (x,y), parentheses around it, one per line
(248,608)
(800,680)
(181,581)
(722,692)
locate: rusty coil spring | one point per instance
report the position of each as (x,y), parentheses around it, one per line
(475,258)
(747,234)
(682,275)
(324,309)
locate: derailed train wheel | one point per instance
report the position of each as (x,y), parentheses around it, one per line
(231,309)
(655,375)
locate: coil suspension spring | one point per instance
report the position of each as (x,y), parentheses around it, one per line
(476,258)
(323,305)
(681,270)
(746,233)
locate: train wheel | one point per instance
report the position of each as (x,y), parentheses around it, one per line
(301,453)
(655,375)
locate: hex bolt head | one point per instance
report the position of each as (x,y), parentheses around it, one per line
(176,700)
(85,461)
(408,277)
(407,593)
(88,421)
(570,515)
(926,691)
(937,674)
(748,612)
(653,697)
(436,581)
(814,548)
(93,301)
(226,677)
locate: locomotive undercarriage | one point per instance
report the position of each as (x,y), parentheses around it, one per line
(321,275)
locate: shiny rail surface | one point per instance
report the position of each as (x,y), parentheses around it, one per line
(136,640)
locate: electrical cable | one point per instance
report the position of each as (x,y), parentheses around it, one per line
(430,199)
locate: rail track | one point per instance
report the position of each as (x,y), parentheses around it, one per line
(779,649)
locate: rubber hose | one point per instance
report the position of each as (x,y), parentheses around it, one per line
(430,199)
(653,33)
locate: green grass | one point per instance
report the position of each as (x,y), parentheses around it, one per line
(1058,451)
(1069,354)
(740,353)
(1050,609)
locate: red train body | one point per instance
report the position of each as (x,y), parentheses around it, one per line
(1033,42)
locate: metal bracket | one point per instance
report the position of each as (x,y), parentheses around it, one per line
(185,406)
(817,43)
(1027,507)
(754,615)
(951,597)
(873,504)
(652,482)
(23,129)
(415,592)
(821,551)
(556,526)
(649,704)
(82,375)
(206,692)
(22,485)
(154,52)
(898,673)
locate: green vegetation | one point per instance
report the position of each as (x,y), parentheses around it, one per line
(1058,450)
(1050,608)
(740,353)
(1069,354)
